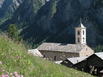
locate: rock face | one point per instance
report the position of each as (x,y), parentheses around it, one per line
(1,3)
(27,11)
(7,7)
(55,20)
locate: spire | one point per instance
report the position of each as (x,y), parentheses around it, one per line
(81,24)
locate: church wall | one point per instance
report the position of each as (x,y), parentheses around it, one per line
(86,51)
(57,55)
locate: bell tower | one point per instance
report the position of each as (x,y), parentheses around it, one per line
(80,34)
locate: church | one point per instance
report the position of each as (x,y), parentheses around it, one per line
(59,51)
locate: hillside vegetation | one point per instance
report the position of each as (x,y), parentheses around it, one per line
(14,58)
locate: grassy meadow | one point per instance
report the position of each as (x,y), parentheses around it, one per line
(14,58)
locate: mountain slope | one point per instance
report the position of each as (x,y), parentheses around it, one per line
(1,2)
(14,58)
(25,13)
(8,7)
(55,20)
(27,10)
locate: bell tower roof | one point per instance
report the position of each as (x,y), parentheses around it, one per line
(81,24)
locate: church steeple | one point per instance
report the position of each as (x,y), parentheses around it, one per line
(80,34)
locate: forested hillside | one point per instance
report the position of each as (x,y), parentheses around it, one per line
(8,7)
(55,20)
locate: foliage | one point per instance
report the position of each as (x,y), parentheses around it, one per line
(13,32)
(99,48)
(53,7)
(37,4)
(14,58)
(99,2)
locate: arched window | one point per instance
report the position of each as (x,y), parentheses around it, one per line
(83,32)
(78,32)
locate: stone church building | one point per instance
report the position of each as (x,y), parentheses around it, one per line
(59,51)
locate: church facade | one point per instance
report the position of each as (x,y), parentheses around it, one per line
(59,51)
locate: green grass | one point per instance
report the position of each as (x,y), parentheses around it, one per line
(14,57)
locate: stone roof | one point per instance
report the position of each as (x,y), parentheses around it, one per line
(100,55)
(76,59)
(35,52)
(73,48)
(81,24)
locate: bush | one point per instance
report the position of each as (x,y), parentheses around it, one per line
(13,32)
(99,48)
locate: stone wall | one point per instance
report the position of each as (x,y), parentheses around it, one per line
(57,55)
(86,51)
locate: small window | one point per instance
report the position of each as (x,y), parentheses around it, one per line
(83,39)
(78,32)
(44,56)
(83,32)
(55,57)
